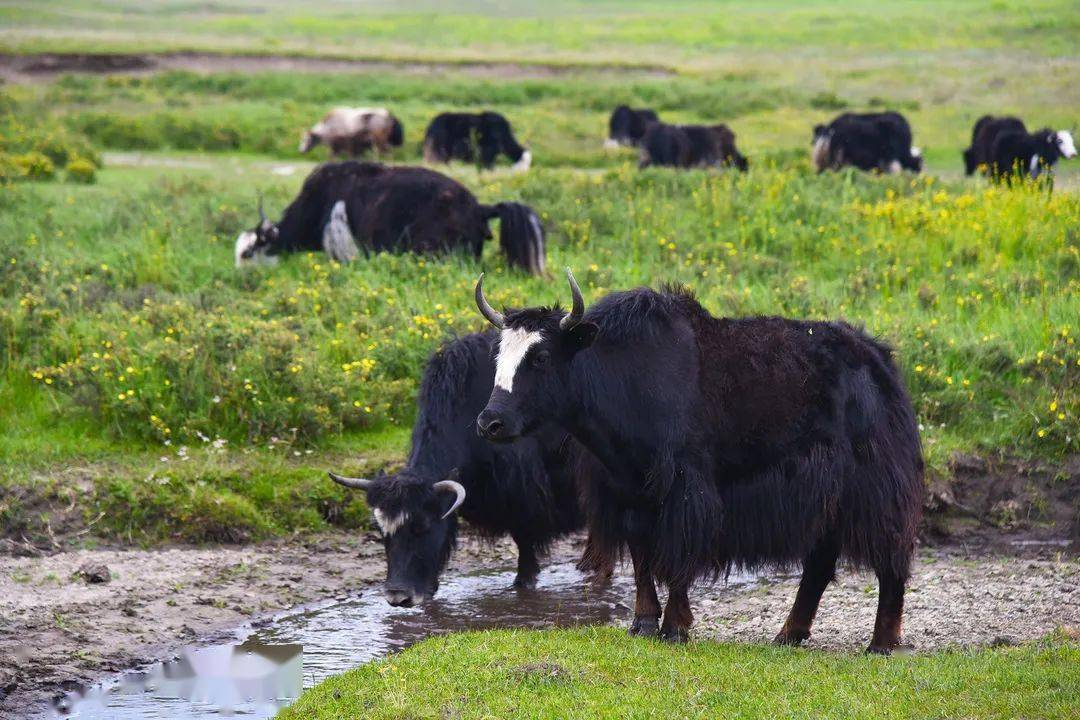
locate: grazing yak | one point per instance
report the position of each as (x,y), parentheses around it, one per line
(360,207)
(351,132)
(868,141)
(744,443)
(527,490)
(473,136)
(627,126)
(1004,148)
(687,146)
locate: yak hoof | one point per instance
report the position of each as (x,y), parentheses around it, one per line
(793,637)
(677,636)
(525,583)
(645,626)
(879,650)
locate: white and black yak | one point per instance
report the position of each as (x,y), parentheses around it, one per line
(690,146)
(528,490)
(473,137)
(627,126)
(351,132)
(728,443)
(868,141)
(351,208)
(1004,149)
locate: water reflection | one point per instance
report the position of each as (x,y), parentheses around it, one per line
(299,649)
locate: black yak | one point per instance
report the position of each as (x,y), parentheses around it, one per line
(688,146)
(527,490)
(868,141)
(472,137)
(744,442)
(351,132)
(1004,148)
(627,126)
(358,207)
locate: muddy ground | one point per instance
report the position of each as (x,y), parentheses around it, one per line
(56,628)
(46,66)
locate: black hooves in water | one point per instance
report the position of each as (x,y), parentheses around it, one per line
(525,583)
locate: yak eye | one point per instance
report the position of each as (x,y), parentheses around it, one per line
(541,359)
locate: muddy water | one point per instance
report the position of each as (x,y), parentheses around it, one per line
(267,671)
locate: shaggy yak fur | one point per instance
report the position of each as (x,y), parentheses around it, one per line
(359,207)
(1005,150)
(688,146)
(473,136)
(527,490)
(868,141)
(627,125)
(729,443)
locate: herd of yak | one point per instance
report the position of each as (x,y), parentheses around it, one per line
(692,444)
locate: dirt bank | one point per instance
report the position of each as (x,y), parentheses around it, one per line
(46,66)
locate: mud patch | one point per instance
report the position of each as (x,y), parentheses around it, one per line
(46,66)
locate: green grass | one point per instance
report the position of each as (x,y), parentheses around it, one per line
(126,334)
(602,673)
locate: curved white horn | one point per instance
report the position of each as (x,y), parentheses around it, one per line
(578,309)
(357,483)
(493,316)
(452,486)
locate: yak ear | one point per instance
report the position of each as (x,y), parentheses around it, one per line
(580,336)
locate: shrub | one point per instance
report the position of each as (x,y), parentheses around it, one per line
(81,170)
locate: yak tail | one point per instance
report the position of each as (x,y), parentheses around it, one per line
(521,236)
(397,132)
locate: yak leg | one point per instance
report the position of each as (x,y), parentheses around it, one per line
(890,612)
(646,604)
(677,616)
(528,567)
(819,569)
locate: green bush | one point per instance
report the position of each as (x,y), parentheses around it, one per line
(80,170)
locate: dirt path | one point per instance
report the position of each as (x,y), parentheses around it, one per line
(46,66)
(56,628)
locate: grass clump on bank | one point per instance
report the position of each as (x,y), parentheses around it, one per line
(602,673)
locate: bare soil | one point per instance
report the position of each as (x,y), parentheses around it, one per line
(46,66)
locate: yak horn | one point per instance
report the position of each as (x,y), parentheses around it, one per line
(578,309)
(451,486)
(262,213)
(357,483)
(493,316)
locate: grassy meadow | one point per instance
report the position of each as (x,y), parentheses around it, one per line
(602,673)
(154,391)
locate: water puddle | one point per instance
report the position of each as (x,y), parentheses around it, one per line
(269,668)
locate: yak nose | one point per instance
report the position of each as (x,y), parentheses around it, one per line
(398,598)
(489,425)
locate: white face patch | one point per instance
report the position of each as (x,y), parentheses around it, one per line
(244,242)
(915,152)
(819,154)
(513,345)
(524,162)
(390,524)
(1065,144)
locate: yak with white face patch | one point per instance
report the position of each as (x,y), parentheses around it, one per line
(390,524)
(514,344)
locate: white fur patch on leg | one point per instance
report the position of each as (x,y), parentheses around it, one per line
(894,167)
(338,240)
(514,343)
(1033,166)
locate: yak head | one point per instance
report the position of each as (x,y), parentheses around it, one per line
(419,529)
(308,140)
(1062,142)
(258,245)
(534,351)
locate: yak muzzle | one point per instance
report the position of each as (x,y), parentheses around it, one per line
(491,426)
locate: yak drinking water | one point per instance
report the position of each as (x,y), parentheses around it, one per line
(746,442)
(527,490)
(351,207)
